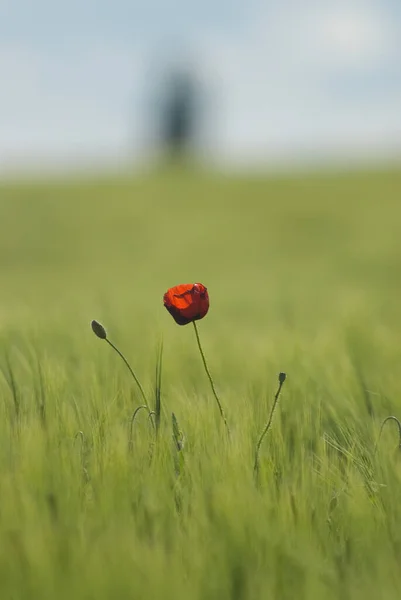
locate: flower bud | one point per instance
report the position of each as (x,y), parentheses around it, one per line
(282,377)
(99,330)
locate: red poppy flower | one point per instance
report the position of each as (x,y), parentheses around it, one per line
(187,302)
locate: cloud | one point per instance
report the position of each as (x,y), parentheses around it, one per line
(302,79)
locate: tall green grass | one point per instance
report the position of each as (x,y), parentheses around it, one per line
(303,275)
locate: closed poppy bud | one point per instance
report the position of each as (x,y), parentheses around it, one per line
(187,302)
(98,330)
(282,377)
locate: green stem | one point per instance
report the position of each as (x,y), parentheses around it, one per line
(159,367)
(210,377)
(267,427)
(131,371)
(137,410)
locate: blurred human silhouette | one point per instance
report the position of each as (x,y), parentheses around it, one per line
(178,114)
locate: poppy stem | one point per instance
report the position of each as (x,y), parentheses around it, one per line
(159,367)
(131,371)
(281,379)
(210,377)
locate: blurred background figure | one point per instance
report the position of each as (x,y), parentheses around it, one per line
(176,109)
(178,115)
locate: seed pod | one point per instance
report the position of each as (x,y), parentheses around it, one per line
(282,377)
(99,330)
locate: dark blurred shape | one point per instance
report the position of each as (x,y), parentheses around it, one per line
(99,330)
(179,114)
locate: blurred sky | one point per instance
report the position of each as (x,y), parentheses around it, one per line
(285,79)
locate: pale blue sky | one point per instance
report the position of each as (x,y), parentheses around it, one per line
(286,78)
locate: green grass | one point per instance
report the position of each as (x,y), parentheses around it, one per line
(304,277)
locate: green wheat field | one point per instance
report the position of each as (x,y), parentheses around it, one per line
(304,276)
